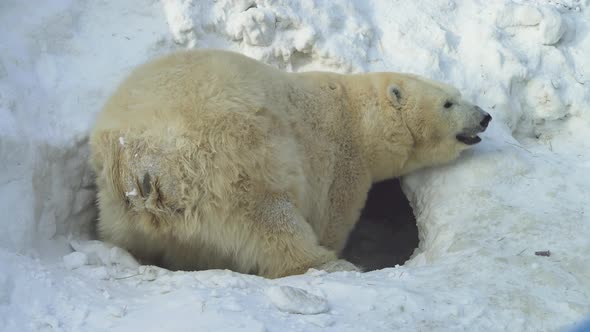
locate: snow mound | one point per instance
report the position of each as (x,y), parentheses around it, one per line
(291,34)
(481,219)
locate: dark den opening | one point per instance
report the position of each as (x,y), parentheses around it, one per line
(386,234)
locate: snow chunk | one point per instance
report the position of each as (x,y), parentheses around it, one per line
(180,22)
(255,26)
(102,253)
(116,311)
(149,273)
(544,101)
(75,259)
(296,300)
(133,192)
(515,15)
(553,27)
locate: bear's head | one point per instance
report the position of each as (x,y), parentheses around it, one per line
(436,122)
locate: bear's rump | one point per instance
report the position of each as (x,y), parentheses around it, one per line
(195,174)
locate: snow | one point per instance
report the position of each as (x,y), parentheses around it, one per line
(75,259)
(133,192)
(297,301)
(481,219)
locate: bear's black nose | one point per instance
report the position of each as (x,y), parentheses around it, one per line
(486,120)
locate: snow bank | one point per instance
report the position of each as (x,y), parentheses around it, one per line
(481,219)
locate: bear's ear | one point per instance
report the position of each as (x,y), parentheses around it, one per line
(395,94)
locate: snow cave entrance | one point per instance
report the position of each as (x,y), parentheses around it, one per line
(386,233)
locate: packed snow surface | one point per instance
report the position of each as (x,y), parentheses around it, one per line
(524,189)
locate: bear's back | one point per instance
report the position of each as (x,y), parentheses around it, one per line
(182,86)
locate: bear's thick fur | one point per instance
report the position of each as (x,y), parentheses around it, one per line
(210,159)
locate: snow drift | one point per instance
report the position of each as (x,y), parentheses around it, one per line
(481,219)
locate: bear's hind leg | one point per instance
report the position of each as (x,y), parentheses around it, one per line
(289,244)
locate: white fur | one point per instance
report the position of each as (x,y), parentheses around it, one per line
(238,165)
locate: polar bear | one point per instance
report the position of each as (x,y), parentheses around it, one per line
(208,159)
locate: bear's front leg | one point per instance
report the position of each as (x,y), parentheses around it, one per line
(288,243)
(348,194)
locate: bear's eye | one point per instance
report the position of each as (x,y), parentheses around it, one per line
(448,104)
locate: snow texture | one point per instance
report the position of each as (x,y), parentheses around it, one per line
(296,301)
(481,219)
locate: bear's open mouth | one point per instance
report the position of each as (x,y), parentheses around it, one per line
(468,139)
